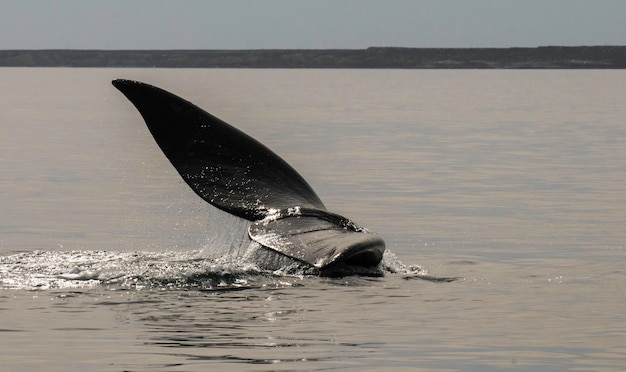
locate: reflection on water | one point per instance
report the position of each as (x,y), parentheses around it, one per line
(511,181)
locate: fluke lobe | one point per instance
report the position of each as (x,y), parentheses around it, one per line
(237,174)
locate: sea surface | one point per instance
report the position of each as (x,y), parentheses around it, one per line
(501,195)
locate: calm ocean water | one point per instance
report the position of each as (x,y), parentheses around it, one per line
(511,181)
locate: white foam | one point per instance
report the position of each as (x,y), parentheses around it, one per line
(41,270)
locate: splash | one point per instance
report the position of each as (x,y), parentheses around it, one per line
(42,270)
(77,269)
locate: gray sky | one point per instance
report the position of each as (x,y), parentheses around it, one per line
(290,24)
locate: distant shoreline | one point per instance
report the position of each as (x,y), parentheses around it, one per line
(548,57)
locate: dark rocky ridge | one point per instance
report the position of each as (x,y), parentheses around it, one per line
(550,57)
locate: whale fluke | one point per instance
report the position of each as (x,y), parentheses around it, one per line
(223,165)
(239,175)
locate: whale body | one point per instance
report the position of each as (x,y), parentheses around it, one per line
(287,221)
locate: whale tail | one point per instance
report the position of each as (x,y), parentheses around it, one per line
(236,173)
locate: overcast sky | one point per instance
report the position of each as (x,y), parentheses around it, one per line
(310,24)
